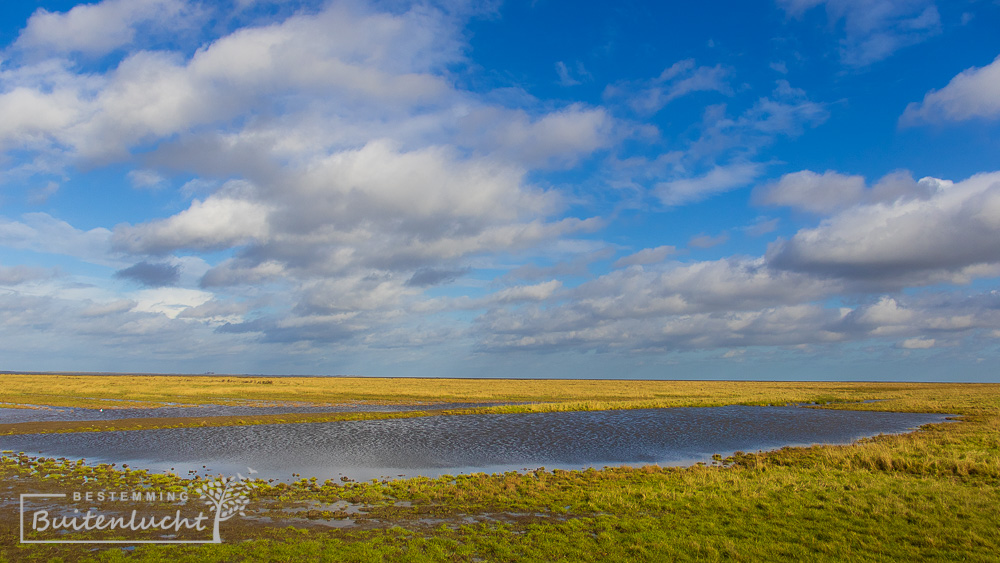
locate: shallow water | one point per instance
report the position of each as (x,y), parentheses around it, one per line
(46,413)
(437,445)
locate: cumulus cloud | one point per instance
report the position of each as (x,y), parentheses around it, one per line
(973,93)
(721,304)
(874,29)
(559,138)
(920,316)
(391,64)
(216,223)
(216,312)
(949,236)
(89,332)
(564,329)
(339,167)
(718,285)
(95,29)
(831,191)
(817,193)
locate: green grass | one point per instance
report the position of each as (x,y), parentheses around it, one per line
(928,495)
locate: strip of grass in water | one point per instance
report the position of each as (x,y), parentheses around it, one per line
(146,391)
(69,426)
(150,423)
(929,495)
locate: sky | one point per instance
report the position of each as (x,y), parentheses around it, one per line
(786,189)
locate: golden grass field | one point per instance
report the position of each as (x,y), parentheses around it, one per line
(108,391)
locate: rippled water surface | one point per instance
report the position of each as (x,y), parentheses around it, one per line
(437,445)
(45,413)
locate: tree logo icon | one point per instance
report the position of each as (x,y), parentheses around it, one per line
(228,495)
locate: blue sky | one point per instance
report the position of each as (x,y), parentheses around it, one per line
(797,189)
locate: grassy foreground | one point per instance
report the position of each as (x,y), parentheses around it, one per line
(929,495)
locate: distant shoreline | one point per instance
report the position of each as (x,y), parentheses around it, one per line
(474,377)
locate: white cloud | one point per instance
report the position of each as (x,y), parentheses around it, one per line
(723,304)
(216,223)
(949,236)
(564,329)
(917,343)
(817,193)
(358,60)
(30,116)
(169,301)
(719,285)
(536,292)
(235,272)
(973,93)
(719,179)
(646,256)
(560,137)
(343,169)
(832,191)
(95,29)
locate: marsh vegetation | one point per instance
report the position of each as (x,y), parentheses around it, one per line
(930,494)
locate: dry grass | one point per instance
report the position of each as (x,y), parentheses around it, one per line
(146,391)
